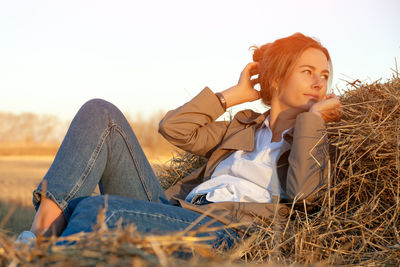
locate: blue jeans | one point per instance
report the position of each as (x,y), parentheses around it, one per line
(100,148)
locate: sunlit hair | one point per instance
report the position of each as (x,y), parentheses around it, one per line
(278,59)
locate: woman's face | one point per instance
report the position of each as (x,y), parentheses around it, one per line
(307,83)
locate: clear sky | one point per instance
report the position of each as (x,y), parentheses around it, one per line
(152,55)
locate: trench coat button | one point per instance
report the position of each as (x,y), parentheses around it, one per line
(283,212)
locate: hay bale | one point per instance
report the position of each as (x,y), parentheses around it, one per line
(357,219)
(180,165)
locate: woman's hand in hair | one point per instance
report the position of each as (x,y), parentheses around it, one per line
(244,91)
(328,108)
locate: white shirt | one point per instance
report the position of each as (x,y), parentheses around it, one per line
(246,177)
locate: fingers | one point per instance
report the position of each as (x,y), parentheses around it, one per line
(329,96)
(329,108)
(332,111)
(334,101)
(331,115)
(254,68)
(251,68)
(330,100)
(254,82)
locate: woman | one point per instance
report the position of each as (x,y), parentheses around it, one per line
(254,160)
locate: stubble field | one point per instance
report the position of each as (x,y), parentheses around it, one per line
(19,175)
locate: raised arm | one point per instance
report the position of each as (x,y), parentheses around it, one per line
(192,127)
(244,90)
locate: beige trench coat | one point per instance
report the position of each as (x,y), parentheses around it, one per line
(302,164)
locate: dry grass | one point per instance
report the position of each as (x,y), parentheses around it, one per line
(31,149)
(15,218)
(20,175)
(180,165)
(355,221)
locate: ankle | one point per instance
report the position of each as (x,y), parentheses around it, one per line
(49,219)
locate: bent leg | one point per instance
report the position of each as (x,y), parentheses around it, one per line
(99,148)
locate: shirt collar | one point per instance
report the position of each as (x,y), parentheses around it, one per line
(265,124)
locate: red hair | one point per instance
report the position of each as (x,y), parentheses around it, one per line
(277,61)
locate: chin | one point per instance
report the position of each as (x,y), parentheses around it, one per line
(306,107)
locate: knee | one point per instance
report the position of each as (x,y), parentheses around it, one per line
(97,105)
(98,109)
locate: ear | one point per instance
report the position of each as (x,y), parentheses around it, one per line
(275,84)
(275,87)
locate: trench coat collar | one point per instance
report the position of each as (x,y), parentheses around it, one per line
(244,138)
(250,117)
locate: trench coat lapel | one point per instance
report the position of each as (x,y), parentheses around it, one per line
(241,135)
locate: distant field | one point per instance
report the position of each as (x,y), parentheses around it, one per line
(20,175)
(23,167)
(20,149)
(27,149)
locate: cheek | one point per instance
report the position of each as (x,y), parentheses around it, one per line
(291,88)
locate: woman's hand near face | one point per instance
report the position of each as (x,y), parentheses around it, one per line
(244,91)
(328,108)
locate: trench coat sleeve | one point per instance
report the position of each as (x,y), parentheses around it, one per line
(308,159)
(192,127)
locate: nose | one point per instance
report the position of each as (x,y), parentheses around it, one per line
(317,83)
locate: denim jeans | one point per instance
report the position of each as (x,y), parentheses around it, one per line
(100,148)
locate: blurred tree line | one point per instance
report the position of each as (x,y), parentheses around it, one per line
(31,128)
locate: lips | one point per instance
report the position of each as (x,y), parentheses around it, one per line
(312,96)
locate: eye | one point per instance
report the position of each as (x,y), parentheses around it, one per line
(307,71)
(325,76)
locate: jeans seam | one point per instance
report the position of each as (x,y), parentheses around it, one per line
(148,214)
(92,160)
(90,164)
(137,165)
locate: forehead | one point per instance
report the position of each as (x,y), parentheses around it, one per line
(313,57)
